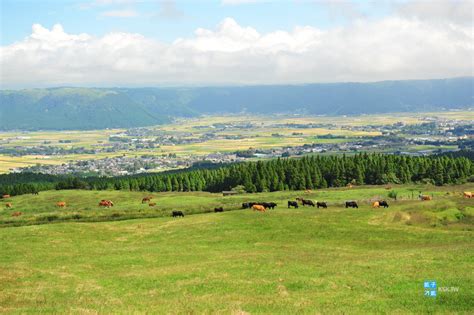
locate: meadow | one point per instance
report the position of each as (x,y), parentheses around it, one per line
(304,260)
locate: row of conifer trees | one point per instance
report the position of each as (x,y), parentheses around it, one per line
(310,172)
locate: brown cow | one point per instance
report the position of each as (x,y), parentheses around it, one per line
(6,196)
(16,214)
(147,199)
(467,194)
(258,208)
(376,205)
(152,204)
(61,204)
(8,205)
(425,198)
(106,203)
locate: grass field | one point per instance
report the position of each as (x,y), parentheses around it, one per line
(304,260)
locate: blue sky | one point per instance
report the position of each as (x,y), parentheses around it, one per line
(154,21)
(225,42)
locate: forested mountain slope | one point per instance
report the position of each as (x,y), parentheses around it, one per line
(97,108)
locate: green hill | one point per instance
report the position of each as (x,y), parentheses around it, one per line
(94,108)
(304,260)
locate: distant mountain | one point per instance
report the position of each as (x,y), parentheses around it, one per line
(83,108)
(97,108)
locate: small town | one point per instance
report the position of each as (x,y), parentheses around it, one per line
(433,135)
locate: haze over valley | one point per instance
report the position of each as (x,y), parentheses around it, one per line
(94,108)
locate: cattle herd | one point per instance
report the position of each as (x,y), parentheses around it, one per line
(266,205)
(256,206)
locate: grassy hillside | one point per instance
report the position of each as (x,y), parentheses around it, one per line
(82,205)
(333,260)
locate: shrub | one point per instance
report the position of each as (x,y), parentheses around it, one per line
(240,189)
(393,194)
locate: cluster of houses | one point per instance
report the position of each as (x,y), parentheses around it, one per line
(128,165)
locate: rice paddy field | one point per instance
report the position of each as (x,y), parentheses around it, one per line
(260,136)
(133,258)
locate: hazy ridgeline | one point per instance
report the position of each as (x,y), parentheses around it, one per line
(98,108)
(272,175)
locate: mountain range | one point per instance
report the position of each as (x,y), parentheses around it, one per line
(97,108)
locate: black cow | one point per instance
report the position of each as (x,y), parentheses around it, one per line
(308,202)
(351,204)
(292,204)
(321,204)
(268,205)
(177,214)
(383,203)
(220,209)
(248,205)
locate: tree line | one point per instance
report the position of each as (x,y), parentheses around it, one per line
(310,172)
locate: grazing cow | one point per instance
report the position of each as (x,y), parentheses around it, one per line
(220,209)
(268,205)
(176,213)
(147,199)
(425,197)
(388,187)
(16,214)
(6,196)
(383,203)
(258,208)
(152,204)
(351,204)
(321,204)
(106,203)
(8,205)
(35,193)
(292,204)
(376,205)
(61,204)
(349,185)
(246,205)
(308,202)
(308,191)
(467,194)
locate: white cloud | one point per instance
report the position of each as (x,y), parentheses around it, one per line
(453,11)
(104,3)
(127,13)
(169,10)
(389,48)
(238,2)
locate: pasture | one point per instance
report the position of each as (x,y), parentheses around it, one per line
(305,260)
(83,205)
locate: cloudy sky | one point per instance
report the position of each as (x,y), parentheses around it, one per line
(161,43)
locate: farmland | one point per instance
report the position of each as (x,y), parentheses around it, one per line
(285,260)
(194,139)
